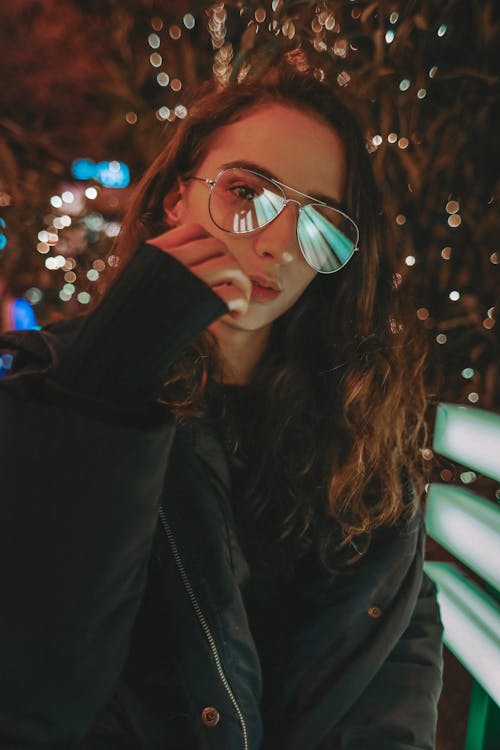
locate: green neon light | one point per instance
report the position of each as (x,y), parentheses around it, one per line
(468,526)
(483,727)
(471,621)
(470,436)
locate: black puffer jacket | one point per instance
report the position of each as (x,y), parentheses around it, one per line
(122,621)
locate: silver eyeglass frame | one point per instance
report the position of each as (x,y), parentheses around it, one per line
(281,185)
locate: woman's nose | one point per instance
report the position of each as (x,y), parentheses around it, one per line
(279,238)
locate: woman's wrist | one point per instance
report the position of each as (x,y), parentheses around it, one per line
(124,347)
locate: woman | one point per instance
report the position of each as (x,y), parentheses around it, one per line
(217,543)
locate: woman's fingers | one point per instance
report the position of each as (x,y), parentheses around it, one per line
(231,295)
(223,269)
(209,259)
(189,243)
(172,238)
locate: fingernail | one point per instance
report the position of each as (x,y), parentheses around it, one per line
(236,304)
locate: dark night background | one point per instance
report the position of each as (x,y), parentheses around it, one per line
(104,80)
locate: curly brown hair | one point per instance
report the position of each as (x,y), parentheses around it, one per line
(332,441)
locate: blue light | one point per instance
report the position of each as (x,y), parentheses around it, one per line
(111,174)
(6,361)
(83,169)
(3,238)
(22,315)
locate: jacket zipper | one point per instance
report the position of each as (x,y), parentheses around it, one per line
(203,622)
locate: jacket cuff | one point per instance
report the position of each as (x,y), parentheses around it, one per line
(125,346)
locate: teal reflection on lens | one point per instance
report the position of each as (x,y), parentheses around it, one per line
(325,246)
(266,206)
(317,250)
(242,223)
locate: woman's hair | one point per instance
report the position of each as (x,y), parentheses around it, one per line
(332,440)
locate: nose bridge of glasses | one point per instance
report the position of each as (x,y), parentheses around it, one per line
(292,200)
(296,214)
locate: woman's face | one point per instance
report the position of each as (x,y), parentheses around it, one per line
(298,150)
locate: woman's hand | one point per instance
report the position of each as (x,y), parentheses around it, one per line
(209,259)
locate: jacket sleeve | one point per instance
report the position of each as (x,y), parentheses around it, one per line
(365,671)
(398,709)
(84,446)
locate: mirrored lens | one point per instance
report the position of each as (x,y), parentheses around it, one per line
(327,238)
(242,201)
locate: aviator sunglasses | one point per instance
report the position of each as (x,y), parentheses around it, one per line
(242,201)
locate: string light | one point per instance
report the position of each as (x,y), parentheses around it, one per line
(33,295)
(467,477)
(339,47)
(180,111)
(163,79)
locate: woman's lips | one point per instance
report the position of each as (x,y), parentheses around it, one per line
(263,293)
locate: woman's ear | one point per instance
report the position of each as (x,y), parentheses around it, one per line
(173,204)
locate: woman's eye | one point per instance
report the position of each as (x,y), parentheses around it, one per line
(244,192)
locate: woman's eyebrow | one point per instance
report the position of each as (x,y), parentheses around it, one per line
(266,173)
